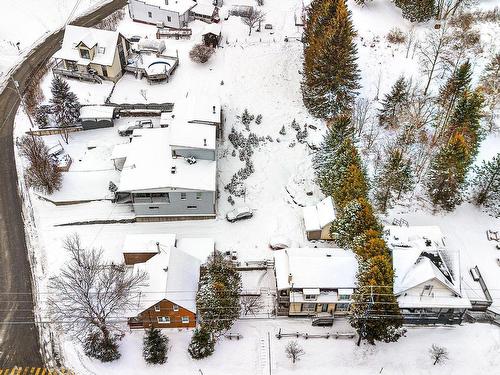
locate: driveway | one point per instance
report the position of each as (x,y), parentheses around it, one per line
(19,339)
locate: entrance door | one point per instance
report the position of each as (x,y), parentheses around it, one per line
(324,307)
(104,71)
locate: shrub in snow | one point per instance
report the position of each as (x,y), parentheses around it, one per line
(155,346)
(231,200)
(269,138)
(253,140)
(246,118)
(246,152)
(42,113)
(302,135)
(103,349)
(112,187)
(246,171)
(202,343)
(283,130)
(396,36)
(233,154)
(294,351)
(258,119)
(236,138)
(235,186)
(438,354)
(42,173)
(292,144)
(295,125)
(201,53)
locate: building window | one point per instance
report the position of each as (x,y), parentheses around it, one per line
(84,53)
(342,307)
(310,297)
(150,15)
(183,196)
(102,50)
(308,307)
(154,207)
(169,19)
(192,207)
(344,297)
(198,196)
(163,319)
(176,308)
(185,319)
(157,308)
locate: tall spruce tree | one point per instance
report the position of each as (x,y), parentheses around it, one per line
(486,185)
(353,186)
(393,103)
(446,178)
(394,179)
(65,106)
(375,312)
(202,343)
(331,75)
(416,10)
(218,297)
(155,346)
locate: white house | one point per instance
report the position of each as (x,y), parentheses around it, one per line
(428,280)
(318,219)
(168,13)
(314,281)
(169,172)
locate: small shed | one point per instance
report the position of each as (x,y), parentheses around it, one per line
(318,219)
(96,116)
(151,45)
(212,35)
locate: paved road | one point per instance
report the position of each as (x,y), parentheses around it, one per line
(19,343)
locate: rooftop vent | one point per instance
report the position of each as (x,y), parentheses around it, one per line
(158,246)
(213,109)
(165,269)
(289,278)
(204,141)
(328,255)
(173,169)
(428,242)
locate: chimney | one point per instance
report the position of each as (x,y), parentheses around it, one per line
(204,141)
(213,109)
(158,247)
(289,278)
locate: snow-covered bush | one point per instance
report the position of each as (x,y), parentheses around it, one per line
(42,113)
(295,125)
(155,346)
(201,53)
(235,186)
(236,138)
(258,119)
(247,118)
(202,343)
(231,200)
(283,130)
(396,36)
(302,135)
(103,349)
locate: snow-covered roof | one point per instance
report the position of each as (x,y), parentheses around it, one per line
(204,9)
(96,111)
(318,216)
(105,40)
(120,151)
(200,248)
(312,268)
(172,275)
(179,6)
(214,28)
(198,107)
(147,243)
(156,45)
(193,136)
(149,166)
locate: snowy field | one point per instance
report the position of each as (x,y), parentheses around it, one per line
(28,22)
(262,73)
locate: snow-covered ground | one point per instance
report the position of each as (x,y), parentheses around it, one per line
(28,22)
(261,72)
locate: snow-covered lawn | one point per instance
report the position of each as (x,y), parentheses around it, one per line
(263,73)
(28,22)
(473,349)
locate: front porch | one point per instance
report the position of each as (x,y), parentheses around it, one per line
(72,71)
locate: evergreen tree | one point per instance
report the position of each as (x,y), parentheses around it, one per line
(202,343)
(370,244)
(331,74)
(105,349)
(155,346)
(353,186)
(351,222)
(394,179)
(393,103)
(490,85)
(65,105)
(375,312)
(486,185)
(447,173)
(416,10)
(218,297)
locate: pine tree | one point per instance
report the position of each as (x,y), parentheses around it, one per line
(394,179)
(218,297)
(331,75)
(353,186)
(375,312)
(446,179)
(486,185)
(393,103)
(351,222)
(202,343)
(370,244)
(416,10)
(65,105)
(155,346)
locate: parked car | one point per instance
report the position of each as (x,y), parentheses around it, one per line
(239,213)
(129,128)
(279,242)
(134,39)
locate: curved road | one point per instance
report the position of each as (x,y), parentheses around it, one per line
(19,343)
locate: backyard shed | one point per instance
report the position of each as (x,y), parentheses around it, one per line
(212,35)
(318,219)
(96,116)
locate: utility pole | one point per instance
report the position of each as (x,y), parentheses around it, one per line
(16,85)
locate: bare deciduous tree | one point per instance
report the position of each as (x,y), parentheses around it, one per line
(201,53)
(294,351)
(360,114)
(251,304)
(42,173)
(445,8)
(90,293)
(438,354)
(251,18)
(410,40)
(431,51)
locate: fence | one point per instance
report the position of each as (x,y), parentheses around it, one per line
(52,131)
(334,335)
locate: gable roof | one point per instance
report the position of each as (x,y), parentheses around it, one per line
(178,6)
(148,243)
(105,40)
(319,216)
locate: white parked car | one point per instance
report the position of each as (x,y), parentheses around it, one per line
(239,213)
(129,128)
(279,242)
